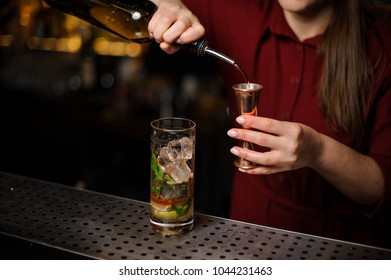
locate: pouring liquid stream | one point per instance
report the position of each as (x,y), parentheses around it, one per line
(225,58)
(243,73)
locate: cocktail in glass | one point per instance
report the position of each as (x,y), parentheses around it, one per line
(172,175)
(247,102)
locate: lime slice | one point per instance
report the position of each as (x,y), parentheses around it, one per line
(165,215)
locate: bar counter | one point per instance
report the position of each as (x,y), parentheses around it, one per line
(44,220)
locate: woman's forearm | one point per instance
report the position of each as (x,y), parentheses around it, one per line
(356,175)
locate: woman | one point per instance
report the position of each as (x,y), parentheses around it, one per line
(322,137)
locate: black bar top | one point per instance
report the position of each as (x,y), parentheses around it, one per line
(57,221)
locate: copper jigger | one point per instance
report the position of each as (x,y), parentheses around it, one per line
(247,101)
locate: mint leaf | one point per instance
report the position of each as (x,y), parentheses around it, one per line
(158,172)
(183,208)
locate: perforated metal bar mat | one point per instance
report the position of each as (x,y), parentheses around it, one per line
(106,227)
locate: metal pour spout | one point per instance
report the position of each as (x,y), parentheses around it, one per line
(200,48)
(219,55)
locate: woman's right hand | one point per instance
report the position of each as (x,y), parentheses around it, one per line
(173,23)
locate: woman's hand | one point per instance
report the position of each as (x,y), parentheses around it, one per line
(173,23)
(291,145)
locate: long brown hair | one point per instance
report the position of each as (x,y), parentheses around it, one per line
(345,85)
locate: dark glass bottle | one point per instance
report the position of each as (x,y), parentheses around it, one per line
(128,19)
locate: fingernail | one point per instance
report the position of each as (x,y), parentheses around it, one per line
(232,133)
(234,151)
(240,120)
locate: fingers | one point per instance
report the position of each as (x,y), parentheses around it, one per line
(257,137)
(266,162)
(267,133)
(290,145)
(168,48)
(158,25)
(174,23)
(255,157)
(183,31)
(263,124)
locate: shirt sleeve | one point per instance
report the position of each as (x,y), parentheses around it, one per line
(380,147)
(380,116)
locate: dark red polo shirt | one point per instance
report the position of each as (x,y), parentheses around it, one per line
(256,35)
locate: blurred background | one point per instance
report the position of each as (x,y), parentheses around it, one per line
(76,104)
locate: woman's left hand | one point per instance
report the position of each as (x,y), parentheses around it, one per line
(291,145)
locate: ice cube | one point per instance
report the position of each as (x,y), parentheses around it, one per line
(179,171)
(175,191)
(180,149)
(186,148)
(174,149)
(163,158)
